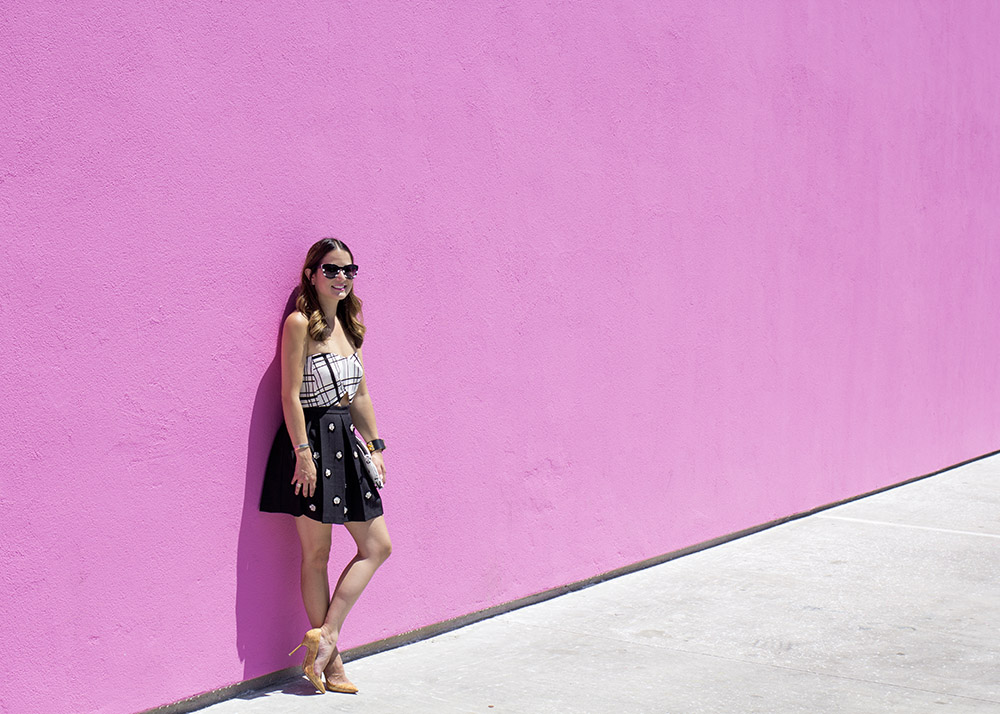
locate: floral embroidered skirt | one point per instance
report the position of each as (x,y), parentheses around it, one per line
(344,491)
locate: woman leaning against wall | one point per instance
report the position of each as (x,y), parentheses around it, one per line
(317,470)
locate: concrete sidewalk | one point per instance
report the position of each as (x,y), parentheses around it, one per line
(887,604)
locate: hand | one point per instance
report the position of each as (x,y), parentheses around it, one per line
(379,464)
(304,477)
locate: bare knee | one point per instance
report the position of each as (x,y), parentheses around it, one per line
(316,557)
(378,549)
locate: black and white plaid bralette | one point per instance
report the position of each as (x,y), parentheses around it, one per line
(327,377)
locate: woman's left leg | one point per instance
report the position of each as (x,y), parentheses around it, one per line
(374,547)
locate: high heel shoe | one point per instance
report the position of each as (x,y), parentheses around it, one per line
(341,687)
(311,642)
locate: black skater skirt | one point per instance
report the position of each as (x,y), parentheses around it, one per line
(344,491)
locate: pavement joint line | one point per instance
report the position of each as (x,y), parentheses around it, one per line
(908,525)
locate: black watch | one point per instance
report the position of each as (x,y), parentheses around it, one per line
(376,445)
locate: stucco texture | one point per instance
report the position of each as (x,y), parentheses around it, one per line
(636,275)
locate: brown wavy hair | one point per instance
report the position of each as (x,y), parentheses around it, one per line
(307,302)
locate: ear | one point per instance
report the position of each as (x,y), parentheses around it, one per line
(309,275)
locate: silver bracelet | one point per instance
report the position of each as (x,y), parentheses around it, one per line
(301,446)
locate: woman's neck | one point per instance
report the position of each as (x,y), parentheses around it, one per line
(329,308)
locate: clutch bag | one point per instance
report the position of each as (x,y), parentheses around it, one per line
(366,459)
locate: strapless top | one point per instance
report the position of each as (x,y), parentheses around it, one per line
(327,377)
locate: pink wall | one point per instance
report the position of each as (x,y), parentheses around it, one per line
(637,274)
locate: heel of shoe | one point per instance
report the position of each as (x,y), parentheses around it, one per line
(297,647)
(311,642)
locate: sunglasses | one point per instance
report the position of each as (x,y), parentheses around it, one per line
(330,270)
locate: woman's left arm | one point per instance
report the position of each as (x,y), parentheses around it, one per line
(363,416)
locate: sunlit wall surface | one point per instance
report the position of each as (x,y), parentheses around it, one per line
(636,275)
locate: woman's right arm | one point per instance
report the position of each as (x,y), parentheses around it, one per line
(294,337)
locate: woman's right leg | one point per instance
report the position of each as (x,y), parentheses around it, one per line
(315,539)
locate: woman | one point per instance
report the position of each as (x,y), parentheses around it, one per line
(315,471)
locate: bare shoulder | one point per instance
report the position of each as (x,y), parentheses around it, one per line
(297,324)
